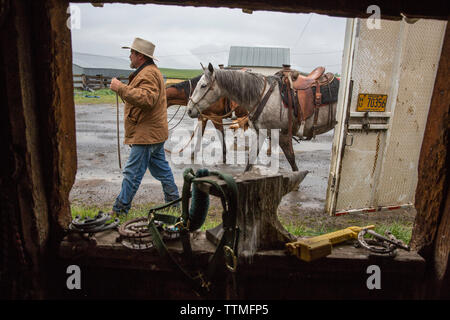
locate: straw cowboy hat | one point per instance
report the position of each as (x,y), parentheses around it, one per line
(143,46)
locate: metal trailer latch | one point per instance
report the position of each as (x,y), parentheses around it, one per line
(368,121)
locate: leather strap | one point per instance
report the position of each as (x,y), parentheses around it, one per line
(253,117)
(316,116)
(227,244)
(300,116)
(318,97)
(290,106)
(117,130)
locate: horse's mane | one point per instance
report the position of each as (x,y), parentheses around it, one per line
(186,86)
(246,87)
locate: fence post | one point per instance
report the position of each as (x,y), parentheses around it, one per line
(84,81)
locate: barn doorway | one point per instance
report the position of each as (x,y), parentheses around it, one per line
(52,167)
(260,42)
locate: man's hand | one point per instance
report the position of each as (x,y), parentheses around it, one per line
(115,84)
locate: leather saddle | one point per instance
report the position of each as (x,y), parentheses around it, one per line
(305,100)
(308,99)
(305,82)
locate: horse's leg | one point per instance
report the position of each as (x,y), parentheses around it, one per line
(219,127)
(263,137)
(288,150)
(198,142)
(253,145)
(269,143)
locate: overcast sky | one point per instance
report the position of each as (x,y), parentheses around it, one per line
(186,36)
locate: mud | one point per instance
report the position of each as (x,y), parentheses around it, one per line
(98,178)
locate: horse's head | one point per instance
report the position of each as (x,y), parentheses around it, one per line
(178,93)
(175,96)
(206,93)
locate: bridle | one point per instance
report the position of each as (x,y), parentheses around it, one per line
(195,104)
(190,89)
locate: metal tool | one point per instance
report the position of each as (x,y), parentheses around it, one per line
(381,244)
(93,225)
(317,247)
(134,234)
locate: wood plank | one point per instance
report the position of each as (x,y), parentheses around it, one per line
(344,257)
(344,8)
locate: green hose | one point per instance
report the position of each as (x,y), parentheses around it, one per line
(199,204)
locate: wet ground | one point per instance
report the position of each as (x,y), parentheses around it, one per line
(99,177)
(98,165)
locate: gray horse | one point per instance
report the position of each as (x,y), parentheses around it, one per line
(248,89)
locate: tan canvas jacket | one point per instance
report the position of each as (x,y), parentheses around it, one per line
(145,113)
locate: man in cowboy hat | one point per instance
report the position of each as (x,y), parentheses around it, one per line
(146,129)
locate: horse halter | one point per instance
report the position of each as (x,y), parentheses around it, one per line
(211,86)
(190,90)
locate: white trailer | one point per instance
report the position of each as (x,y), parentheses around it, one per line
(388,76)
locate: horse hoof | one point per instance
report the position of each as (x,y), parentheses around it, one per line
(248,167)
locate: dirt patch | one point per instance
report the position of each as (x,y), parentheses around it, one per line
(102,193)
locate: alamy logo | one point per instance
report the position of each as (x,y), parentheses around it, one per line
(241,147)
(74,280)
(374,281)
(74,20)
(374,21)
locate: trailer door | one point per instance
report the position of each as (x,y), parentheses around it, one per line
(388,76)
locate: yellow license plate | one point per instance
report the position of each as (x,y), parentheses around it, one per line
(371,102)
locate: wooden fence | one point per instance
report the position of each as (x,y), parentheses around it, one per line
(86,82)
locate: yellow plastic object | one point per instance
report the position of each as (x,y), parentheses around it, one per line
(317,247)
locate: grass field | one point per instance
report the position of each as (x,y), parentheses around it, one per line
(181,73)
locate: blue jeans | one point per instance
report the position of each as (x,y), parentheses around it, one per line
(141,157)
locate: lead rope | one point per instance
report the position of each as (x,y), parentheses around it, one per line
(118,135)
(195,129)
(190,93)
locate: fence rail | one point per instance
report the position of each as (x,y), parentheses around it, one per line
(86,82)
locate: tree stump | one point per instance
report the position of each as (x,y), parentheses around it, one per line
(258,200)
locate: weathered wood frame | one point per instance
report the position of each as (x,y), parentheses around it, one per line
(38,135)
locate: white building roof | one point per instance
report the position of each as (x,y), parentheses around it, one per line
(258,57)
